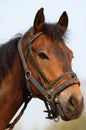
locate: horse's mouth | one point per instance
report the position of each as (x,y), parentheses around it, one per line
(65,115)
(62,113)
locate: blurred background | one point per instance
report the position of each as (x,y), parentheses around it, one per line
(17,16)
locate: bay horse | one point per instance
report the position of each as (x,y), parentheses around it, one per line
(39,65)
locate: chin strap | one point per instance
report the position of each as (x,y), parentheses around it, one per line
(49,111)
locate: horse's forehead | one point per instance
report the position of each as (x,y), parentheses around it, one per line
(58,46)
(46,43)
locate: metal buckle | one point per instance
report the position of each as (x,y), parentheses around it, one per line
(49,96)
(28,75)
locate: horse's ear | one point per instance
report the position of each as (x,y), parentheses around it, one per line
(63,22)
(39,20)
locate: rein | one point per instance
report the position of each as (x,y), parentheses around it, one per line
(50,95)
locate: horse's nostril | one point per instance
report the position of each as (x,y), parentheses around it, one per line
(72,103)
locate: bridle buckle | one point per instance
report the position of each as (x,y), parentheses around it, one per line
(49,96)
(27,74)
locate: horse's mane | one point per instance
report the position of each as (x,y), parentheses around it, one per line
(7,54)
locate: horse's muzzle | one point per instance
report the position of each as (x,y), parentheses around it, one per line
(71,108)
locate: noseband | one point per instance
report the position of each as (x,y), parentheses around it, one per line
(50,94)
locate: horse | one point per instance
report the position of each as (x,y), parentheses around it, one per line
(39,65)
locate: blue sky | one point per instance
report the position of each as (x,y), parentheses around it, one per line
(17,17)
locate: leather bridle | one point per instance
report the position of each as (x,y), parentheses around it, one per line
(50,94)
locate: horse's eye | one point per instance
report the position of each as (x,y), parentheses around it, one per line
(43,55)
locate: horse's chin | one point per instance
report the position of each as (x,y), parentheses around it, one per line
(66,116)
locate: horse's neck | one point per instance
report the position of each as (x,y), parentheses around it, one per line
(11,96)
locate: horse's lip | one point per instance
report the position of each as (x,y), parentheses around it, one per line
(62,113)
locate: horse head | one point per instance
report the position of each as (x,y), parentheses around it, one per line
(47,62)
